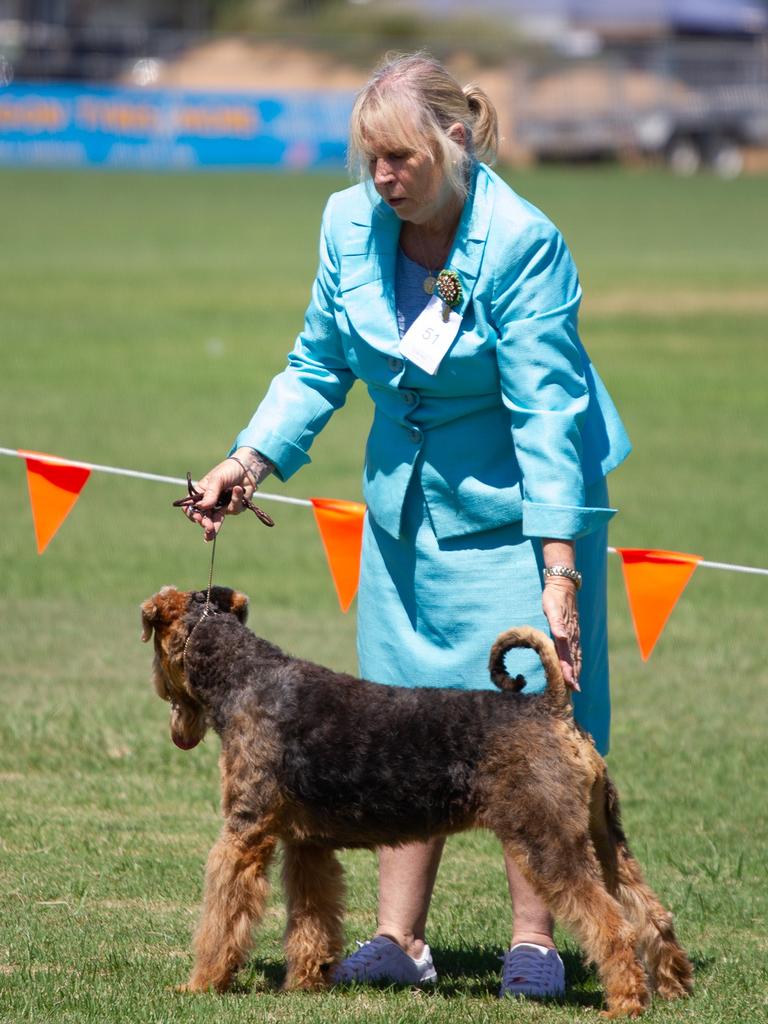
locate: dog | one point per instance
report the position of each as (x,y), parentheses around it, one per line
(322,761)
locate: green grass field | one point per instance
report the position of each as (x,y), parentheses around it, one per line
(142,317)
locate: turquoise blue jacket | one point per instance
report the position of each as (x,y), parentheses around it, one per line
(515,422)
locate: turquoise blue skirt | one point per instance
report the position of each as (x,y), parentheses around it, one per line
(429,609)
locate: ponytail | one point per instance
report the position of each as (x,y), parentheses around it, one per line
(485,123)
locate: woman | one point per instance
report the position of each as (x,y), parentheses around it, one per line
(486,462)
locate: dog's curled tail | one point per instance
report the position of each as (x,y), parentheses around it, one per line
(527,636)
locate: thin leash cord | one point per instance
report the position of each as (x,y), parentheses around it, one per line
(210,576)
(206,607)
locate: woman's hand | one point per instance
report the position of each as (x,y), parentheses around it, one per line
(559,604)
(241,475)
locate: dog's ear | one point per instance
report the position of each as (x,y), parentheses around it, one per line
(162,607)
(148,618)
(230,601)
(240,605)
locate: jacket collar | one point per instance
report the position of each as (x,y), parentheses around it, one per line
(369,252)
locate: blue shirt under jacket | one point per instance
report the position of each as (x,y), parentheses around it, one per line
(515,422)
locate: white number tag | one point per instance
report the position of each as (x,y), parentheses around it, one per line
(430,336)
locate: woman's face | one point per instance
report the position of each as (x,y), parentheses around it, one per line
(411,183)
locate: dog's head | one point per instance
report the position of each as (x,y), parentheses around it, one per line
(171,615)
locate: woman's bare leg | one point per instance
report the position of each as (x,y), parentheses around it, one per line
(532,920)
(406,880)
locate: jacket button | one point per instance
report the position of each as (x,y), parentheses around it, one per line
(395,364)
(410,398)
(415,435)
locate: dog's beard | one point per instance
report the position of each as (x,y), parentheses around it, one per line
(187,726)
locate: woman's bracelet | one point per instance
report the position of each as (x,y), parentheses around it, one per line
(566,571)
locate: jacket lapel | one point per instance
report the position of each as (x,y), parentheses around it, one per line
(466,257)
(367,283)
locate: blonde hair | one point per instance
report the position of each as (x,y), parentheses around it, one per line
(409,104)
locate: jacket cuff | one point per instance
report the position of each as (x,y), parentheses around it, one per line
(287,456)
(562,522)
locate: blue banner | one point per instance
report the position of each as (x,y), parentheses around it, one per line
(104,126)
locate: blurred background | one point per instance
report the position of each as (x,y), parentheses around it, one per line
(270,82)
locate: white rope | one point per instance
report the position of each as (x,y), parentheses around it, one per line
(55,460)
(721,565)
(735,568)
(136,474)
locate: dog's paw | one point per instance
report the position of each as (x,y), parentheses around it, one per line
(627,1008)
(186,988)
(197,985)
(306,982)
(674,989)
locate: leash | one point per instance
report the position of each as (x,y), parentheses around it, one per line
(207,606)
(210,578)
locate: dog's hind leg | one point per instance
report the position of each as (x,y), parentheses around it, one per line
(669,969)
(236,889)
(560,864)
(314,886)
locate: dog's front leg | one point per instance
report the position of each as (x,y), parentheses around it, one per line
(236,889)
(314,886)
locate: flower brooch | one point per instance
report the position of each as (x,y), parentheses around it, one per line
(448,289)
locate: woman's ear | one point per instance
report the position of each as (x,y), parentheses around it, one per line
(458,133)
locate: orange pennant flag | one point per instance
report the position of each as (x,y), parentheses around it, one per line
(53,490)
(341,530)
(654,581)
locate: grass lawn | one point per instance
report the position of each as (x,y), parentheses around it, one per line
(142,317)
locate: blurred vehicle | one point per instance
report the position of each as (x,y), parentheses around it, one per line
(690,104)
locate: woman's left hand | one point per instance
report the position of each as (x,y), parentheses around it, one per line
(560,608)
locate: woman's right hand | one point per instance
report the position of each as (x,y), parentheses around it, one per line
(241,475)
